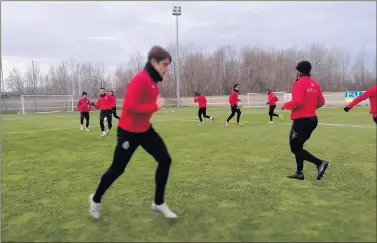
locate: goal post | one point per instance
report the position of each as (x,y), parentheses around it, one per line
(260,99)
(46,103)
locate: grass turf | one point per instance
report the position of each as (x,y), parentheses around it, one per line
(225,184)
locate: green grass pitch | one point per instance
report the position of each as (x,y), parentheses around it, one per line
(226,184)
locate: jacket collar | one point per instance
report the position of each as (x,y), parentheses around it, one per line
(156,77)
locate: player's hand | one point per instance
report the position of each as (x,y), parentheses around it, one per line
(160,101)
(347,109)
(92,104)
(267,103)
(282,108)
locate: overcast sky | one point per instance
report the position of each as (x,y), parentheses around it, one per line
(49,32)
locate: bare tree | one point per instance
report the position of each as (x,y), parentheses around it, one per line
(15,81)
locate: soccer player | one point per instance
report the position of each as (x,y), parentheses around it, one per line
(234,108)
(307,97)
(371,93)
(141,100)
(105,104)
(114,104)
(271,102)
(202,103)
(84,106)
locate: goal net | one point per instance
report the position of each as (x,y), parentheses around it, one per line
(260,99)
(46,103)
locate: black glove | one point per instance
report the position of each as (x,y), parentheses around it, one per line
(347,109)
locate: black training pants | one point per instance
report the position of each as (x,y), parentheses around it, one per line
(233,110)
(202,111)
(102,115)
(86,116)
(375,120)
(301,131)
(271,112)
(114,112)
(127,143)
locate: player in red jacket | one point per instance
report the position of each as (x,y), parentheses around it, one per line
(84,106)
(371,93)
(202,103)
(271,102)
(141,100)
(114,104)
(307,97)
(234,108)
(105,104)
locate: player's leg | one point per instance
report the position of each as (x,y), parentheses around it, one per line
(115,113)
(200,116)
(82,120)
(270,112)
(233,110)
(275,114)
(87,120)
(126,145)
(102,116)
(205,114)
(109,121)
(375,119)
(238,116)
(155,146)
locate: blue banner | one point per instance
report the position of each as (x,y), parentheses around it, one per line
(350,95)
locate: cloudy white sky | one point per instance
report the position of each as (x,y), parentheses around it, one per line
(49,32)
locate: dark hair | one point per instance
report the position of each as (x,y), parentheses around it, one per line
(102,88)
(234,86)
(158,53)
(84,93)
(111,91)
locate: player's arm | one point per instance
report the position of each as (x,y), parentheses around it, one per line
(132,97)
(320,99)
(298,93)
(360,98)
(97,105)
(195,99)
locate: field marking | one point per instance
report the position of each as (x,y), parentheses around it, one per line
(192,120)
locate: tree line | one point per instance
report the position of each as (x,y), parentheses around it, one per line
(212,73)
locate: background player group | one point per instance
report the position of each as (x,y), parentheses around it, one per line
(142,100)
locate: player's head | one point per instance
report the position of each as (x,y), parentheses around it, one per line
(160,59)
(303,68)
(236,87)
(197,93)
(268,91)
(84,94)
(102,92)
(111,93)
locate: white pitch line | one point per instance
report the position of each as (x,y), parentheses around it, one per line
(189,120)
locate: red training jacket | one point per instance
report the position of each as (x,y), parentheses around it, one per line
(104,103)
(201,100)
(307,97)
(84,105)
(139,103)
(113,100)
(233,98)
(371,93)
(272,99)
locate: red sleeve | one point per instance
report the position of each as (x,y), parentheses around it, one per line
(320,98)
(360,98)
(276,98)
(98,103)
(195,99)
(204,98)
(297,96)
(79,105)
(232,96)
(132,97)
(269,99)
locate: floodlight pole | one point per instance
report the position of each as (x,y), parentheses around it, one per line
(177,11)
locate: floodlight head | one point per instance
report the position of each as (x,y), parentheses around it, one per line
(177,10)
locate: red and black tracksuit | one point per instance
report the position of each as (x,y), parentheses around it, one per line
(135,129)
(271,102)
(307,97)
(84,106)
(202,103)
(371,93)
(233,101)
(105,104)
